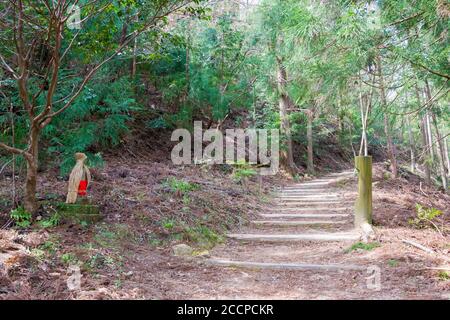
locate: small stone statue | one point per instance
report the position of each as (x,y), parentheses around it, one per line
(79,179)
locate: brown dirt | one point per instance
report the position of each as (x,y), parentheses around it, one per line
(129,255)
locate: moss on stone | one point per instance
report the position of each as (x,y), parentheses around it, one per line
(76,212)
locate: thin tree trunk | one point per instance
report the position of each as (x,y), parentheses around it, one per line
(133,63)
(441,152)
(426,151)
(13,144)
(412,148)
(287,157)
(309,136)
(363,149)
(429,117)
(424,136)
(429,136)
(439,140)
(187,63)
(391,148)
(30,201)
(447,159)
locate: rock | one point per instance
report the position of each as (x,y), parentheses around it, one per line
(203,253)
(76,212)
(182,250)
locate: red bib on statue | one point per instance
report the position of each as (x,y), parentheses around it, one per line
(82,188)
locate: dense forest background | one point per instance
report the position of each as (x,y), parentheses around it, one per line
(114,78)
(339,78)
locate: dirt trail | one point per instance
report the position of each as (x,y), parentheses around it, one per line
(298,249)
(300,269)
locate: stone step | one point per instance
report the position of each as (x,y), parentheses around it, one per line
(305,189)
(309,195)
(309,185)
(304,194)
(284,266)
(288,223)
(304,215)
(343,236)
(309,200)
(349,173)
(321,209)
(294,204)
(313,201)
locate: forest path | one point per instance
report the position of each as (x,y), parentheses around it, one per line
(309,212)
(296,249)
(301,246)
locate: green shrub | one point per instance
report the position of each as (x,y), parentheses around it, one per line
(444,275)
(363,246)
(51,222)
(21,217)
(168,224)
(242,171)
(424,216)
(177,185)
(69,258)
(202,235)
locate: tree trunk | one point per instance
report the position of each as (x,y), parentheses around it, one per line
(429,136)
(30,201)
(309,136)
(287,157)
(412,149)
(447,159)
(133,62)
(391,148)
(441,152)
(426,151)
(441,148)
(363,149)
(424,136)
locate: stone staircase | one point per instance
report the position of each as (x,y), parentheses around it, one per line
(309,213)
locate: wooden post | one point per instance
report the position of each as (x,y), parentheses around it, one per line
(363,205)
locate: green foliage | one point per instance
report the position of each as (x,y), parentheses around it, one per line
(224,71)
(202,235)
(177,185)
(362,246)
(50,246)
(202,74)
(242,171)
(168,224)
(21,217)
(96,121)
(51,222)
(393,262)
(444,275)
(69,258)
(100,261)
(112,235)
(424,216)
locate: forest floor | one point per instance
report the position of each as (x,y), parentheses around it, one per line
(129,255)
